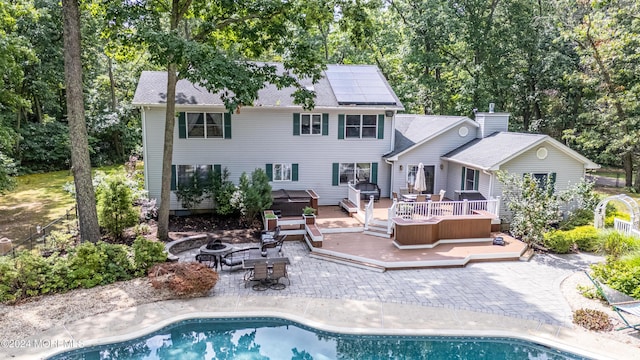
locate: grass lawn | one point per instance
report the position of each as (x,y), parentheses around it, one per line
(37,199)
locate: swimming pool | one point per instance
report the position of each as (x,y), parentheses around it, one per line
(273,338)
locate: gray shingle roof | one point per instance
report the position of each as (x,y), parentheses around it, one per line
(152,86)
(494,149)
(412,130)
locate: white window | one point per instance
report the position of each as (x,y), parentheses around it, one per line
(471,177)
(541,178)
(186,173)
(204,125)
(311,124)
(281,172)
(354,172)
(361,126)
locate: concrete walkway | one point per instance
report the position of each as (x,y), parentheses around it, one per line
(517,299)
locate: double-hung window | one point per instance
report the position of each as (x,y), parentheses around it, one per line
(311,124)
(281,172)
(361,126)
(354,172)
(470,179)
(187,173)
(204,125)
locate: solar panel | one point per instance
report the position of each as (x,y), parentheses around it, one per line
(359,85)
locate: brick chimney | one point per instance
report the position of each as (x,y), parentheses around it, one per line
(491,122)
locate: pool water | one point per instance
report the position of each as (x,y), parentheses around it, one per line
(271,338)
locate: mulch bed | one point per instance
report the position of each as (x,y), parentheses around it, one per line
(235,229)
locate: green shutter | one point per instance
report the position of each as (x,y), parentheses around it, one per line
(227,125)
(173,177)
(294,172)
(341,126)
(269,170)
(325,124)
(463,178)
(380,126)
(476,180)
(336,174)
(182,126)
(374,173)
(552,181)
(296,123)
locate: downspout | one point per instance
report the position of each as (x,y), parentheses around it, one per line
(144,148)
(393,172)
(490,182)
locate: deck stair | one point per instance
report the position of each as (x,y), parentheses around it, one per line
(348,262)
(349,206)
(377,228)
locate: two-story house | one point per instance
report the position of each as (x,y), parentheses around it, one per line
(353,134)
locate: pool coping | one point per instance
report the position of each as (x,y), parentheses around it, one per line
(333,315)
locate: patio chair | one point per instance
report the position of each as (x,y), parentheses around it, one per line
(260,274)
(421,198)
(620,302)
(209,260)
(279,271)
(272,244)
(234,258)
(435,197)
(394,196)
(270,235)
(442,193)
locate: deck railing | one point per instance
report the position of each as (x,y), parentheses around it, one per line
(410,210)
(625,227)
(368,213)
(354,196)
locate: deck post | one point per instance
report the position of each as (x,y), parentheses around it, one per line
(465,207)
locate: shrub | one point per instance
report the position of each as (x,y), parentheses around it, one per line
(183,279)
(558,242)
(8,279)
(592,319)
(118,265)
(59,241)
(586,237)
(622,275)
(147,253)
(616,244)
(257,195)
(86,266)
(115,206)
(577,218)
(142,229)
(590,292)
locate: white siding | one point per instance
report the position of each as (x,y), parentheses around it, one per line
(261,136)
(568,170)
(429,153)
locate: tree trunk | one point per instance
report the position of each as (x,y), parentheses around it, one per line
(112,86)
(627,163)
(81,163)
(637,182)
(167,156)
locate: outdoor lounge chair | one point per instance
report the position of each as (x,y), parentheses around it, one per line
(234,258)
(620,302)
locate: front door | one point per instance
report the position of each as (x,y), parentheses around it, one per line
(429,175)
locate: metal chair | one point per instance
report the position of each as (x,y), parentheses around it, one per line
(209,260)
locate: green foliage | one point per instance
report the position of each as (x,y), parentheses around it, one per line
(589,292)
(85,266)
(622,275)
(534,207)
(59,241)
(578,217)
(592,320)
(194,191)
(308,210)
(46,147)
(147,253)
(257,196)
(616,244)
(612,213)
(115,208)
(558,242)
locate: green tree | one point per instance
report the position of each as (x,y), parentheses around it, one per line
(606,36)
(257,194)
(210,44)
(116,211)
(81,164)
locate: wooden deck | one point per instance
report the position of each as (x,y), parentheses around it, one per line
(358,248)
